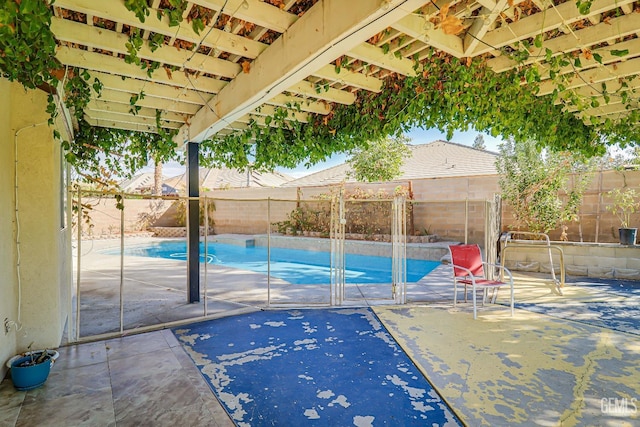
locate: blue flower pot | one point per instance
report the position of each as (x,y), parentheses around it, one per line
(27,376)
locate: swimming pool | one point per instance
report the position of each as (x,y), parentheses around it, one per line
(293,265)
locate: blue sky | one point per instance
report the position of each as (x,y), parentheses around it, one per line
(418,136)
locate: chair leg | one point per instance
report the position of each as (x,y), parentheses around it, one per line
(475,311)
(512,301)
(455,292)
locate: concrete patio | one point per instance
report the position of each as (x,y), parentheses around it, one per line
(562,365)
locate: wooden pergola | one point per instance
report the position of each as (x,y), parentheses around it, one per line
(251,57)
(254,56)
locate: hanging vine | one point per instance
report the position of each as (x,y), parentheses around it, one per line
(449,94)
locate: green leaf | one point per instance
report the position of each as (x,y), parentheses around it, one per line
(620,53)
(198,25)
(597,57)
(537,42)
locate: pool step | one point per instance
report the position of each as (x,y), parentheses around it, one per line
(234,239)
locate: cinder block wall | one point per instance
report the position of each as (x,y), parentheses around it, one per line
(138,215)
(438,208)
(609,260)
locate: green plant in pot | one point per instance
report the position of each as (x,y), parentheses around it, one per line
(31,369)
(625,203)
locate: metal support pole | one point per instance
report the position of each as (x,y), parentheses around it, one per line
(268,251)
(122,265)
(206,252)
(193,223)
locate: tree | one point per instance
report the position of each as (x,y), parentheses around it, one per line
(380,160)
(533,184)
(157,177)
(478,143)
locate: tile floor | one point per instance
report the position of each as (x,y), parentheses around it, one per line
(139,380)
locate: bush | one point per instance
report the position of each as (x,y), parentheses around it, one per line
(366,212)
(181,212)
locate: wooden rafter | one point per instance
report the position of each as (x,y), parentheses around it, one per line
(309,58)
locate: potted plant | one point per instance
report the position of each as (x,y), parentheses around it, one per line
(624,204)
(31,369)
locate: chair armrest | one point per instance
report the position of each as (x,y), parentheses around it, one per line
(502,268)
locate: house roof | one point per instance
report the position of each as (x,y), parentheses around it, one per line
(143,183)
(432,160)
(223,178)
(133,185)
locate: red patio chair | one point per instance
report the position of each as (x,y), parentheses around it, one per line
(469,270)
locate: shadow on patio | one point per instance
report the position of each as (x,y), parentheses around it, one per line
(561,360)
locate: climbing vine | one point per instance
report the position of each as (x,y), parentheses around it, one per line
(99,151)
(448,94)
(27,45)
(556,67)
(173,9)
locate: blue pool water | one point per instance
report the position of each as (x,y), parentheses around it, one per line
(293,265)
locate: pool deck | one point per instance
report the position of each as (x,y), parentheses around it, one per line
(562,360)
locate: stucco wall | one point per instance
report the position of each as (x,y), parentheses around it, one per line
(44,241)
(8,283)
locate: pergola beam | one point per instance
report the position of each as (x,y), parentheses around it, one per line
(130,118)
(305,88)
(605,110)
(116,11)
(350,78)
(255,11)
(75,32)
(110,81)
(612,89)
(323,33)
(122,125)
(619,27)
(530,26)
(305,104)
(595,76)
(377,56)
(113,65)
(480,27)
(148,101)
(414,26)
(633,46)
(122,109)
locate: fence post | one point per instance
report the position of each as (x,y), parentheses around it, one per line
(78,272)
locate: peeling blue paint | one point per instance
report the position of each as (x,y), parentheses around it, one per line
(312,367)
